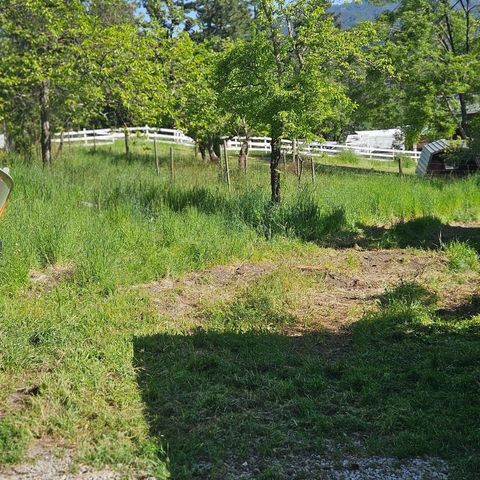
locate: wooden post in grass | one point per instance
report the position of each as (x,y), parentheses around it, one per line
(400,167)
(60,148)
(172,166)
(94,141)
(155,156)
(313,169)
(227,168)
(295,157)
(299,168)
(127,146)
(285,161)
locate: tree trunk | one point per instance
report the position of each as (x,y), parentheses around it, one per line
(214,151)
(464,130)
(243,154)
(203,151)
(275,158)
(45,138)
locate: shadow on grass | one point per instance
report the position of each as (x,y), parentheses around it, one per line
(408,388)
(425,232)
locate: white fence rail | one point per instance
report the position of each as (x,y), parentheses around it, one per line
(262,144)
(256,144)
(108,136)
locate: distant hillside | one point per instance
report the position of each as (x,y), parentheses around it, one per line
(350,13)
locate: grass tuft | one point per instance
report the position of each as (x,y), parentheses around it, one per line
(461,257)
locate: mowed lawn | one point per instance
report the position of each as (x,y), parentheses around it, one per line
(182,329)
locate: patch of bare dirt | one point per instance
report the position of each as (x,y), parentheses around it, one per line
(181,299)
(338,288)
(18,398)
(346,285)
(48,278)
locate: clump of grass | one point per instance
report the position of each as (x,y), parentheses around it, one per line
(348,157)
(408,293)
(12,442)
(461,256)
(262,307)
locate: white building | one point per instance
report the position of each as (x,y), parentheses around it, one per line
(377,139)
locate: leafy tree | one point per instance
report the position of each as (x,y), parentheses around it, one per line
(433,46)
(66,65)
(124,71)
(288,77)
(203,19)
(190,71)
(40,42)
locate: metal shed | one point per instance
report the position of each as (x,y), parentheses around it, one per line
(436,160)
(427,164)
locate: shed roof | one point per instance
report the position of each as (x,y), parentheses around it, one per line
(428,152)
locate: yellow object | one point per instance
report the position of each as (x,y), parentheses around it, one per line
(6,185)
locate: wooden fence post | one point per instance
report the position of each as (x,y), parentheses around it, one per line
(227,168)
(313,169)
(295,157)
(60,148)
(172,166)
(94,141)
(400,167)
(285,161)
(155,156)
(127,146)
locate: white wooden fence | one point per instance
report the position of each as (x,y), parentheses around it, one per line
(108,136)
(257,144)
(317,149)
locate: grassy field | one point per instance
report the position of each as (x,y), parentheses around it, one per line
(109,352)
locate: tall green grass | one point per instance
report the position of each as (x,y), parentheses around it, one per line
(66,351)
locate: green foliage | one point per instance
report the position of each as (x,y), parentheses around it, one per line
(461,256)
(433,49)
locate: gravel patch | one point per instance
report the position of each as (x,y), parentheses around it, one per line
(44,465)
(322,468)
